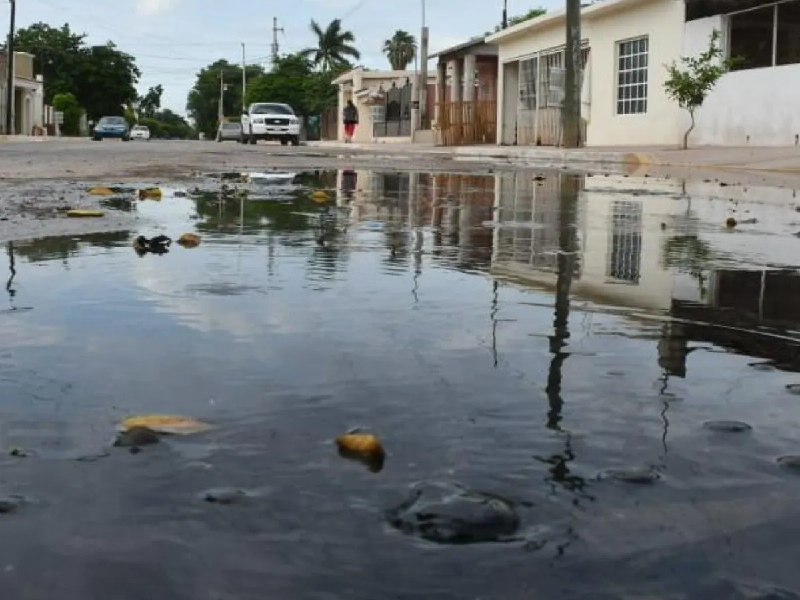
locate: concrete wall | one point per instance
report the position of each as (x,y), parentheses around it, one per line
(756,107)
(662,21)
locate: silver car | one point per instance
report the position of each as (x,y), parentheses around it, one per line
(229,131)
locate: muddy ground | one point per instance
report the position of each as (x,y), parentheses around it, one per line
(39,180)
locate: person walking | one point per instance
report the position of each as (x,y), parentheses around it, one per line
(350,118)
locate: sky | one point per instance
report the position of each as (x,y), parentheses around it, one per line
(173,39)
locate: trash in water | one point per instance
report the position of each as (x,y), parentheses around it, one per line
(167,424)
(150,194)
(189,240)
(85,213)
(157,245)
(363,447)
(101,191)
(134,437)
(319,197)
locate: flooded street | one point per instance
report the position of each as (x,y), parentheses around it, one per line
(584,350)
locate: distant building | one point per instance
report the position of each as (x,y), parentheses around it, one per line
(28,100)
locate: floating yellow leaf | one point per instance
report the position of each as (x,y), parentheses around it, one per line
(77,213)
(359,443)
(173,424)
(189,240)
(101,191)
(319,196)
(151,194)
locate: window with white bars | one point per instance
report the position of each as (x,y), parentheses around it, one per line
(632,61)
(527,83)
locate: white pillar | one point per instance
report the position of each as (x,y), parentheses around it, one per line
(455,81)
(469,78)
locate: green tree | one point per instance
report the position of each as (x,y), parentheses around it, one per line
(400,49)
(294,81)
(334,46)
(517,19)
(203,101)
(57,53)
(68,104)
(102,78)
(151,101)
(690,84)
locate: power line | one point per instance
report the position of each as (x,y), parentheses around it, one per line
(350,12)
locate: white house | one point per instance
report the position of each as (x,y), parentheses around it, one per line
(625,46)
(757,103)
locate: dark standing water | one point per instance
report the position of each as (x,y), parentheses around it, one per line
(518,337)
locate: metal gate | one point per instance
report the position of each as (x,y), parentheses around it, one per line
(396,120)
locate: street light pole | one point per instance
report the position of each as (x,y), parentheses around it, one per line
(10,70)
(505,14)
(571,108)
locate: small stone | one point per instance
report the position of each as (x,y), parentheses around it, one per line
(727,426)
(225,495)
(790,462)
(640,475)
(135,437)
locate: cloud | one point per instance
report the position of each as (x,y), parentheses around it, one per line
(153,7)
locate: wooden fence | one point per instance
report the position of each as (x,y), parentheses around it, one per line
(461,123)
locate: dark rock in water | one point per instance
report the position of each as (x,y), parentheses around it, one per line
(727,426)
(450,514)
(8,505)
(225,495)
(793,388)
(644,475)
(135,437)
(790,462)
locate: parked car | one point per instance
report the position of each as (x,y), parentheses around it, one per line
(111,127)
(229,131)
(140,132)
(270,121)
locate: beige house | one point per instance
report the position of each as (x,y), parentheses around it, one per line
(384,100)
(28,107)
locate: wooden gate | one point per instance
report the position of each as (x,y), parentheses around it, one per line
(467,123)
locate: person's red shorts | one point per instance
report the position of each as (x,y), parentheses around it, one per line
(349,129)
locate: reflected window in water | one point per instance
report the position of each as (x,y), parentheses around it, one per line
(625,252)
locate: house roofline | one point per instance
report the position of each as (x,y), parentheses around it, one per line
(350,75)
(595,9)
(470,43)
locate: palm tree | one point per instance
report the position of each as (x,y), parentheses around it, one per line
(333,46)
(400,49)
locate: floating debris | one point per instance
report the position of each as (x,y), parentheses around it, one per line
(727,426)
(151,194)
(189,240)
(157,245)
(101,191)
(85,213)
(320,197)
(135,437)
(730,223)
(167,424)
(18,452)
(225,495)
(447,513)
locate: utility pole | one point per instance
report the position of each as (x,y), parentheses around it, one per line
(10,71)
(423,73)
(571,109)
(221,95)
(505,14)
(275,47)
(244,80)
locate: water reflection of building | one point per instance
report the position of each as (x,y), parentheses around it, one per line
(454,208)
(620,240)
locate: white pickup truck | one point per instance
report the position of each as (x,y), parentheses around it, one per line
(270,121)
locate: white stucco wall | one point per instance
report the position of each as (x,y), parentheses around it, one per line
(757,107)
(662,21)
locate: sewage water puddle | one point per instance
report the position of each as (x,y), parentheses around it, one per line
(555,346)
